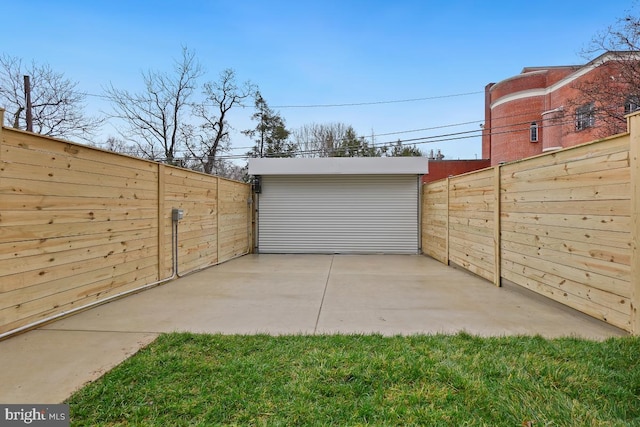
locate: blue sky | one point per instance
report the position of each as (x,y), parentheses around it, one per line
(304,53)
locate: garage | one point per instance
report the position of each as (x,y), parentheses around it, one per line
(338,205)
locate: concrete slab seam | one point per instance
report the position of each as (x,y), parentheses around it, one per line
(324,293)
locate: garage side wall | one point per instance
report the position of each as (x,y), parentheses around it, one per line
(562,226)
(80,225)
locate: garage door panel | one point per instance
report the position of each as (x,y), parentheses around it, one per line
(338,214)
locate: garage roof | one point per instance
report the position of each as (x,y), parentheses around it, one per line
(339,166)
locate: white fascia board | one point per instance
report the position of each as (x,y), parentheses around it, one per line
(339,166)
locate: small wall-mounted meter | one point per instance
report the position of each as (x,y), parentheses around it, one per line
(176,214)
(257,184)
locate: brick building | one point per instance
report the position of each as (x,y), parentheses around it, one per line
(439,169)
(544,108)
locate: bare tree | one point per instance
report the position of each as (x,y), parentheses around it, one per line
(333,140)
(120,146)
(155,118)
(613,89)
(211,136)
(319,140)
(57,105)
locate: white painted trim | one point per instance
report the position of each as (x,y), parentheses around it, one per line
(557,85)
(523,94)
(339,166)
(544,150)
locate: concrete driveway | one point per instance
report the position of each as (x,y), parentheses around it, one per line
(280,294)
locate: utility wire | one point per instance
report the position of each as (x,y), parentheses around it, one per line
(525,113)
(416,141)
(454,136)
(411,141)
(397,101)
(436,127)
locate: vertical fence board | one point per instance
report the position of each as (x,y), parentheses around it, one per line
(447,222)
(497,274)
(634,125)
(162,219)
(1,125)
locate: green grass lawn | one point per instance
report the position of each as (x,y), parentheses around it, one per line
(188,379)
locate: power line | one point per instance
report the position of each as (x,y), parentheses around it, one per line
(415,141)
(439,127)
(429,139)
(396,101)
(376,103)
(348,104)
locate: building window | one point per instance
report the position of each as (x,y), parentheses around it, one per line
(585,116)
(632,104)
(533,132)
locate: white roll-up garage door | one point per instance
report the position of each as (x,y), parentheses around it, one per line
(338,214)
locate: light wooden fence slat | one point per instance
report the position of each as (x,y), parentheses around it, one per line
(565,224)
(79,225)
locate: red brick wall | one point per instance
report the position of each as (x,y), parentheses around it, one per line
(439,169)
(510,129)
(506,133)
(554,75)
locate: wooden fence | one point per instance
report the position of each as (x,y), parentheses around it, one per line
(563,224)
(79,225)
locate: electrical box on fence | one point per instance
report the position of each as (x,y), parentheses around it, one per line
(177,214)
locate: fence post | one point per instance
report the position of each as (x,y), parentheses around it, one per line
(162,224)
(497,279)
(217,219)
(1,125)
(446,240)
(634,158)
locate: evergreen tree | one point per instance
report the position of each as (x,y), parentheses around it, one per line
(353,146)
(270,134)
(400,150)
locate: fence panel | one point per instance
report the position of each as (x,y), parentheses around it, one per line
(566,229)
(471,222)
(560,224)
(74,227)
(234,219)
(435,225)
(79,225)
(196,195)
